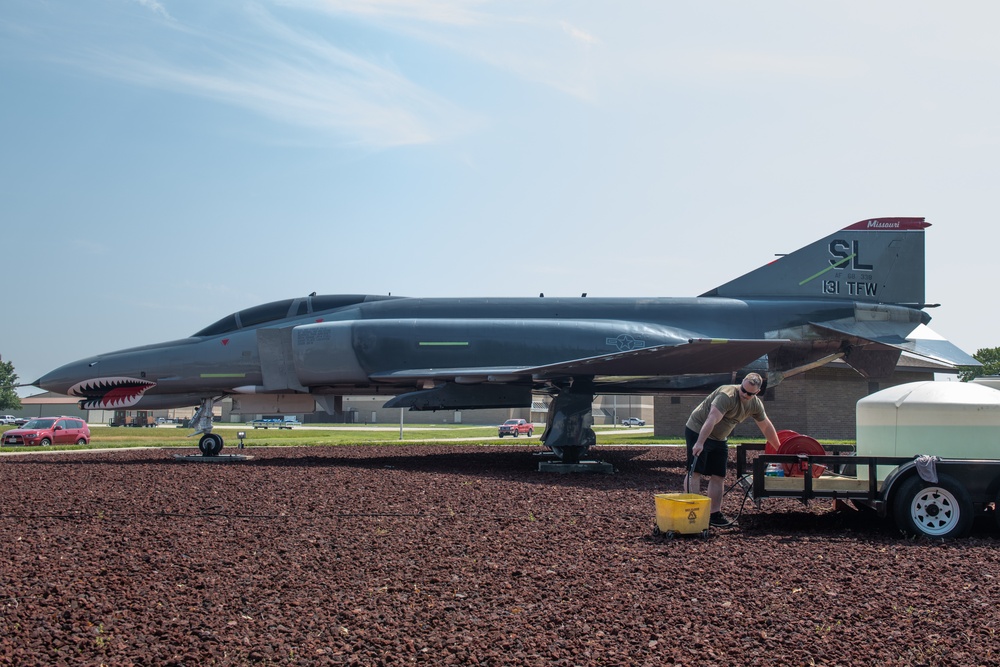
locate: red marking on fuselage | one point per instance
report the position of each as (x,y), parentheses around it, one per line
(126,395)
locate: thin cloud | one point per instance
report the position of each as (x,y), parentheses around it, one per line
(259,57)
(578,34)
(155,7)
(447,12)
(508,36)
(376,106)
(293,77)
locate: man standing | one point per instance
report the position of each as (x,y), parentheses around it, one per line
(707,432)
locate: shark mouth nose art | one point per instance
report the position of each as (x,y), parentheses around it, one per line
(109,393)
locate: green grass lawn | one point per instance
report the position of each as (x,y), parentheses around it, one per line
(103,437)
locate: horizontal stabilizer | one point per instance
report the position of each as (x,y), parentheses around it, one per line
(918,339)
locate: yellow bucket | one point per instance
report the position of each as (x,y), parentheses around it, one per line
(684,513)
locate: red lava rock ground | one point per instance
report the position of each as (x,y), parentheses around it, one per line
(458,555)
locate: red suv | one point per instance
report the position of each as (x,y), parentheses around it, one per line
(47,431)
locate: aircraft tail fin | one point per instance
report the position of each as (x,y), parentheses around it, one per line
(876,260)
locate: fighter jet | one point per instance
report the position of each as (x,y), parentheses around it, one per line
(856,295)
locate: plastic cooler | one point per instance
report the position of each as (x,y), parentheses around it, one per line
(684,513)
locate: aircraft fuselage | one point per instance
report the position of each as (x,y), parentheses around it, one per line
(357,349)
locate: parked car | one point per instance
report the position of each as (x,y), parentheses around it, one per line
(276,422)
(21,421)
(515,427)
(7,419)
(46,431)
(633,421)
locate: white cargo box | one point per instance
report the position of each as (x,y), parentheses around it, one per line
(948,419)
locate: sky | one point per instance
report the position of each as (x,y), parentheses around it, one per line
(165,163)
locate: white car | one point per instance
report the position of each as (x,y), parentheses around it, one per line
(8,419)
(633,421)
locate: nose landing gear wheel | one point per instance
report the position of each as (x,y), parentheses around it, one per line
(210,444)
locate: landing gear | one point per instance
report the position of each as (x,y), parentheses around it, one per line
(210,444)
(569,434)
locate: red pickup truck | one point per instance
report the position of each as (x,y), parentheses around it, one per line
(515,427)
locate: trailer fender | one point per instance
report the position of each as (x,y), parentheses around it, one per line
(891,484)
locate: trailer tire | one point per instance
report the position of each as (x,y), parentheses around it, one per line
(940,510)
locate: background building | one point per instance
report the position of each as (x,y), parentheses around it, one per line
(819,403)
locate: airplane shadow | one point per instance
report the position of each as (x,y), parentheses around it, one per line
(631,468)
(634,467)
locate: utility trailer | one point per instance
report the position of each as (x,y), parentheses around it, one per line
(945,508)
(141,418)
(927,455)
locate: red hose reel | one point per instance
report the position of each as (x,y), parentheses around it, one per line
(791,443)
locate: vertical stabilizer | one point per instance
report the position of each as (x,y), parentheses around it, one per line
(879,261)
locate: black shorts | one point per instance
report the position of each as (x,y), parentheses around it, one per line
(714,458)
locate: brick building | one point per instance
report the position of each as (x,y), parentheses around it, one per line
(819,403)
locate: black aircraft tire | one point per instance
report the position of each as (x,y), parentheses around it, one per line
(210,444)
(942,510)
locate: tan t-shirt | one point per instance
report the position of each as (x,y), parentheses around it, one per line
(726,399)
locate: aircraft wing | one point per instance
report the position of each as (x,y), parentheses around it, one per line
(919,340)
(697,356)
(459,375)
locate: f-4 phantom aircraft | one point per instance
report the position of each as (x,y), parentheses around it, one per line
(856,295)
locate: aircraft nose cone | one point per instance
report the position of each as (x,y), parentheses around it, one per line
(61,379)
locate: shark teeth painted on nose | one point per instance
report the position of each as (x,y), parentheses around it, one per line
(110,392)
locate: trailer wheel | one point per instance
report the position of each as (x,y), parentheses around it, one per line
(937,510)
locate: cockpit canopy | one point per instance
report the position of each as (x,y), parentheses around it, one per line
(285,309)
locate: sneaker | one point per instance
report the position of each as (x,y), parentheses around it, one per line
(719,520)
